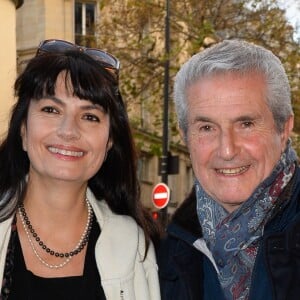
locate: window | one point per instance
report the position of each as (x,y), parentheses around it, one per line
(145,168)
(85,23)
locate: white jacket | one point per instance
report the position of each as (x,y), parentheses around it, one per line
(119,256)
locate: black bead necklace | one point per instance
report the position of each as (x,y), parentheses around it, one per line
(80,245)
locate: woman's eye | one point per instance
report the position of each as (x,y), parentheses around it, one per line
(49,109)
(92,118)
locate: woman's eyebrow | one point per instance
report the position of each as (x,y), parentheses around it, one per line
(53,98)
(90,106)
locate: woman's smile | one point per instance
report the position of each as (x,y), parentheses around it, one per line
(65,152)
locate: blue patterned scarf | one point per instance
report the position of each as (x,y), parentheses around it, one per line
(233,237)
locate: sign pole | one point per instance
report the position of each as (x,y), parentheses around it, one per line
(165,142)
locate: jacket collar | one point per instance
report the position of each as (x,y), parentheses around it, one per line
(179,232)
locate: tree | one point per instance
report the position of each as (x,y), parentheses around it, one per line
(133,30)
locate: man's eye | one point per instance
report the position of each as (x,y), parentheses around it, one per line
(49,109)
(247,124)
(92,118)
(205,128)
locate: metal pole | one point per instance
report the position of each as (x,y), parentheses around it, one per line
(165,140)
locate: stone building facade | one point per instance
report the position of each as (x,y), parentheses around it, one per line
(8,57)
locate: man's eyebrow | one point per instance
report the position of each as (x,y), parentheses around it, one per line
(246,118)
(201,119)
(238,119)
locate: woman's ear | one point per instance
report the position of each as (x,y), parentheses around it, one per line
(109,144)
(108,147)
(24,136)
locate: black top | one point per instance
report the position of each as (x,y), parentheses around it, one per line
(26,285)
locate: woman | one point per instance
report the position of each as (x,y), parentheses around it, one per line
(72,226)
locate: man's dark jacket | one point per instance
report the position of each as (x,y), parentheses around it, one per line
(187,274)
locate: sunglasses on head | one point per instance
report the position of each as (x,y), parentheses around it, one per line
(109,62)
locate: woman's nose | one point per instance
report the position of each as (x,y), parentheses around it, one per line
(68,129)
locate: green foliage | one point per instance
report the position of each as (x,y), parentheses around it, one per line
(134,31)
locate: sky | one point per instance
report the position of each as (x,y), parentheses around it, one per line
(292,12)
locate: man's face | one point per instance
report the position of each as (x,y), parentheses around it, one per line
(231,136)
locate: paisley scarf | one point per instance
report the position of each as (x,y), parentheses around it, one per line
(233,237)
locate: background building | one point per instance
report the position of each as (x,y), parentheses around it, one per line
(8,57)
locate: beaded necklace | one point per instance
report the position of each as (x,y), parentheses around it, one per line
(68,255)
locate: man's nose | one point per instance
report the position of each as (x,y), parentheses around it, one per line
(228,145)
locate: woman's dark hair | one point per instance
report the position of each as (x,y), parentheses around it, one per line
(116,181)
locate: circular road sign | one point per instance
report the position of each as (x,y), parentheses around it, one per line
(160,195)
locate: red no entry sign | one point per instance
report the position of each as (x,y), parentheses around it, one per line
(160,195)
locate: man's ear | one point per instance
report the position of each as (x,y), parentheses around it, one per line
(183,135)
(287,130)
(23,133)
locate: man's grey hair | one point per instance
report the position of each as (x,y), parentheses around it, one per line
(233,56)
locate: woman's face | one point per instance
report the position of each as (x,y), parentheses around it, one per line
(66,138)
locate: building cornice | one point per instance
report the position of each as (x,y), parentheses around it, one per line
(18,3)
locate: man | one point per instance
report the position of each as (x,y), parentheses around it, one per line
(237,235)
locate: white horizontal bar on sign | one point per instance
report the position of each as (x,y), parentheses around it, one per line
(160,195)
